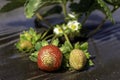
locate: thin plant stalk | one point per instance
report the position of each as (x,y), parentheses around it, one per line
(44,34)
(53,38)
(67,39)
(39,16)
(64,9)
(49,36)
(87,14)
(86,17)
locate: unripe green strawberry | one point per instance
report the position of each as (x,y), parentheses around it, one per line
(26,45)
(77,59)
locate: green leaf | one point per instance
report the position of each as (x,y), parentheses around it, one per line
(65,48)
(44,43)
(13,4)
(113,2)
(29,39)
(32,6)
(38,45)
(87,6)
(33,56)
(22,37)
(35,36)
(91,62)
(30,35)
(31,31)
(84,46)
(65,61)
(77,45)
(18,46)
(105,9)
(55,42)
(88,55)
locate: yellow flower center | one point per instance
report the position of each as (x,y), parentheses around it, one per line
(73,27)
(60,30)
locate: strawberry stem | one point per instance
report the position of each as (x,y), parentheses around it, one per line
(67,39)
(53,38)
(64,9)
(48,36)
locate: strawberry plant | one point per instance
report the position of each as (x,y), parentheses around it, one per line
(57,45)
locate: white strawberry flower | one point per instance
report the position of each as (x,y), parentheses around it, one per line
(64,27)
(74,25)
(57,30)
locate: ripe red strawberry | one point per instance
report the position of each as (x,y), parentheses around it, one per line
(49,58)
